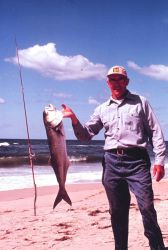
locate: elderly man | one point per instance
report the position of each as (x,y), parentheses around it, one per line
(130,124)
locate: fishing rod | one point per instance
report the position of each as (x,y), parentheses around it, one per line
(31,155)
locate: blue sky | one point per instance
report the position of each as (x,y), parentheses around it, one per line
(66,48)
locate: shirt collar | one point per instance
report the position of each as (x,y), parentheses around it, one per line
(128,96)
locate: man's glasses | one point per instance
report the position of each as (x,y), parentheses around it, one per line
(117,79)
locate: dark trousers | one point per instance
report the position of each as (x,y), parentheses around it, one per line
(121,173)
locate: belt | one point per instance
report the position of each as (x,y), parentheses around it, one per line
(127,151)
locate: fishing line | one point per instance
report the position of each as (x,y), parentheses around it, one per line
(31,155)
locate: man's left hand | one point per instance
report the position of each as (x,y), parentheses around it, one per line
(158,172)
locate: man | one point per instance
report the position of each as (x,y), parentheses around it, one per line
(129,124)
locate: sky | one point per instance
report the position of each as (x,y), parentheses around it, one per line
(65,49)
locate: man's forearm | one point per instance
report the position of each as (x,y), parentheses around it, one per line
(74,119)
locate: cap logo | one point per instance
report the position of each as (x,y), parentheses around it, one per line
(116,70)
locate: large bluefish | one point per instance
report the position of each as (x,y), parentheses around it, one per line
(57,145)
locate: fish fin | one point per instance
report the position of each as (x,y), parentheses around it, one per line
(62,195)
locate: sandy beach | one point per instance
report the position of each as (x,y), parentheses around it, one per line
(85,225)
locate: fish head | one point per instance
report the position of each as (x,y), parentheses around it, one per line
(52,116)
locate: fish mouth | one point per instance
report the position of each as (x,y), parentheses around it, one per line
(53,116)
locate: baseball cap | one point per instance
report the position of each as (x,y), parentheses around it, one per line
(117,70)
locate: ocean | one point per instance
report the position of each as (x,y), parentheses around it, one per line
(85,163)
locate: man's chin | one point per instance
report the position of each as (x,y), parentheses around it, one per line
(118,94)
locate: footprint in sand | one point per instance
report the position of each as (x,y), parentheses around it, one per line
(63,238)
(21,228)
(62,225)
(96,212)
(157,199)
(104,227)
(67,232)
(36,219)
(3,238)
(133,205)
(7,211)
(94,223)
(64,229)
(7,232)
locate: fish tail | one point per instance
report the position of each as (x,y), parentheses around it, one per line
(62,195)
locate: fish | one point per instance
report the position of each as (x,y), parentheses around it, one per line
(53,123)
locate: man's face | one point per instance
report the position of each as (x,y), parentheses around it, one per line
(117,84)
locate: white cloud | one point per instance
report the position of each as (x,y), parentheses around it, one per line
(62,95)
(133,65)
(92,101)
(158,72)
(47,61)
(2,101)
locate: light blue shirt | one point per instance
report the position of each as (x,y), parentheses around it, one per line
(131,123)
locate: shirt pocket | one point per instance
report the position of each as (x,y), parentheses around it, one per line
(132,121)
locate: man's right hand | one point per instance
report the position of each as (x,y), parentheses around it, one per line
(68,113)
(158,172)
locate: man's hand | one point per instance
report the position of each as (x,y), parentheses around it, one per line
(158,172)
(68,113)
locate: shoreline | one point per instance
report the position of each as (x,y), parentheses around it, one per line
(20,193)
(84,225)
(12,194)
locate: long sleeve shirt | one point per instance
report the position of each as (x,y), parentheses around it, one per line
(132,123)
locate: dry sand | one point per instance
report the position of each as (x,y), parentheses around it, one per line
(84,226)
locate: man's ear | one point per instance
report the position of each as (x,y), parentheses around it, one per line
(127,81)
